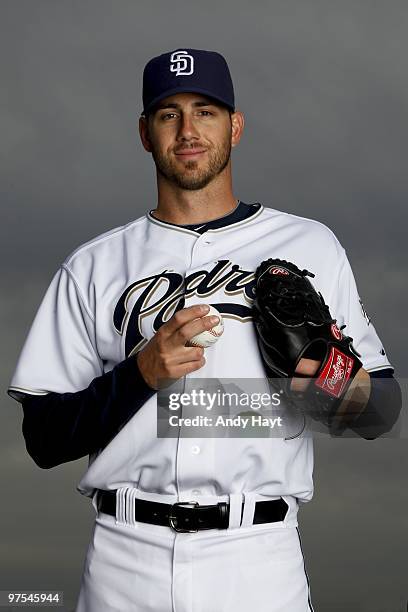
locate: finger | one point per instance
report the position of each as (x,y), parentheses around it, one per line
(299,385)
(191,329)
(183,316)
(187,368)
(186,354)
(307,367)
(180,371)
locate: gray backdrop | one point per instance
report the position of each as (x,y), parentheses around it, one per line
(323,86)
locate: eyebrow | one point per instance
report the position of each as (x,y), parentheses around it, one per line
(177,106)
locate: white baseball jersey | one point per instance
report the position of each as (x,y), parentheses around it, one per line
(112,294)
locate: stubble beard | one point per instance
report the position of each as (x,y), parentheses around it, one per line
(194,177)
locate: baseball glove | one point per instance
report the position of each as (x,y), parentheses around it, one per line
(293,321)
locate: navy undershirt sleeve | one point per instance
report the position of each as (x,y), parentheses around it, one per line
(62,427)
(383,407)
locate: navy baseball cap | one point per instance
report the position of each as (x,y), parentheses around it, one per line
(187,70)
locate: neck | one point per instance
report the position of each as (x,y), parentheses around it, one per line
(184,207)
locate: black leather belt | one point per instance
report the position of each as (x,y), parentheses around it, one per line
(190,517)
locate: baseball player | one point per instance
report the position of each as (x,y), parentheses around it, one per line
(182,524)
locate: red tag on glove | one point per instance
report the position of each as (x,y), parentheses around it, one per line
(336,373)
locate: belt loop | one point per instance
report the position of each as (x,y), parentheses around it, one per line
(235,509)
(95,500)
(125,506)
(292,511)
(249,509)
(121,505)
(130,507)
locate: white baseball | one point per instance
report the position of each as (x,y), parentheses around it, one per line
(209,336)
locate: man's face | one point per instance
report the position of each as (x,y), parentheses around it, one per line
(190,139)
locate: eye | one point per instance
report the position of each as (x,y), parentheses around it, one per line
(168,116)
(206,111)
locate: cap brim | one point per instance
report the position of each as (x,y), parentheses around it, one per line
(176,90)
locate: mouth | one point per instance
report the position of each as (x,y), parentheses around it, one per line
(190,153)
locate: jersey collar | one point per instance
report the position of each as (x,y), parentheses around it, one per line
(241,213)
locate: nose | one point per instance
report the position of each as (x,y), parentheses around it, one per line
(187,129)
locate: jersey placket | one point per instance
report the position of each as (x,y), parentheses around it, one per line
(194,459)
(195,456)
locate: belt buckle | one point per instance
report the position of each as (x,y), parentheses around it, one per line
(173,517)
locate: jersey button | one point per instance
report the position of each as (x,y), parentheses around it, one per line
(195,449)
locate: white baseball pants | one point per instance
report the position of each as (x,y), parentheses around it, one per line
(139,567)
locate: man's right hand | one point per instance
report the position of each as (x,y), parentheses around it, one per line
(166,358)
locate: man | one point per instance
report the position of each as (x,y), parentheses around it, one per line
(115,324)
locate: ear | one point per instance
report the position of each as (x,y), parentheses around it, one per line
(144,133)
(237,122)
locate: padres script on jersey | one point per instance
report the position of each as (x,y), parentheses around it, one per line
(112,294)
